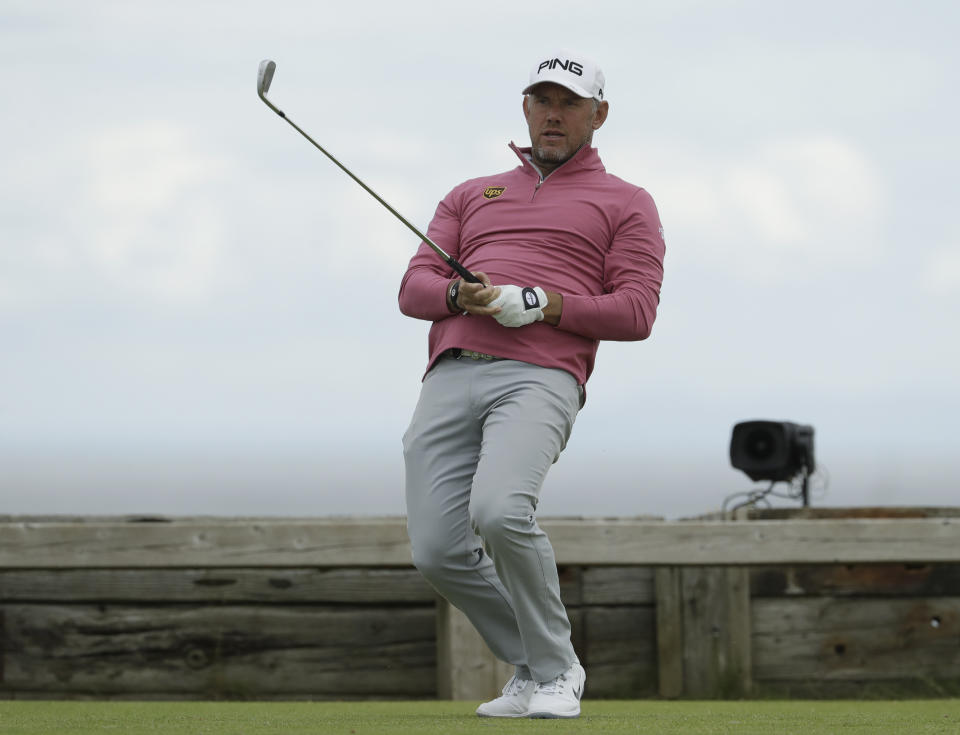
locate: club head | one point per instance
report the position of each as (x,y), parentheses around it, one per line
(265,76)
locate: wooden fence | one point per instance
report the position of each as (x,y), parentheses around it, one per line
(331,608)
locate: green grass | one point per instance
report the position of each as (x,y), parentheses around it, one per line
(370,718)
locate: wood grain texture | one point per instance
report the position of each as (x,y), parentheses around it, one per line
(275,586)
(755,542)
(618,585)
(383,542)
(669,635)
(466,668)
(198,543)
(220,651)
(332,608)
(860,580)
(716,634)
(618,648)
(856,639)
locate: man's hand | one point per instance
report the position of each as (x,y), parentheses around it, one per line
(475,298)
(519,306)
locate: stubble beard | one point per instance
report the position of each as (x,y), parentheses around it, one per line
(555,157)
(543,155)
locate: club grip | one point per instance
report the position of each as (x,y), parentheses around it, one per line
(467,275)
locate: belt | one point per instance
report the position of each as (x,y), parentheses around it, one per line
(456,353)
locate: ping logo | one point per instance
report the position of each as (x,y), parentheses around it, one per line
(492,192)
(571,66)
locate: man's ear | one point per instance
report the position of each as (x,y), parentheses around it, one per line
(600,116)
(526,106)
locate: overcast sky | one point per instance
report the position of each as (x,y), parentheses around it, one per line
(198,310)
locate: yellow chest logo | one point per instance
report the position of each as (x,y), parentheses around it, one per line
(492,192)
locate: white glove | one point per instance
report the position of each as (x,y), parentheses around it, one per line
(519,306)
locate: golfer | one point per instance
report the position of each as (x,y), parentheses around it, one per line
(568,255)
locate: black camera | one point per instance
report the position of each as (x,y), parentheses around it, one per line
(772,450)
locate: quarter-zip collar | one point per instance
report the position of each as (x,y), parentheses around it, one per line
(587,158)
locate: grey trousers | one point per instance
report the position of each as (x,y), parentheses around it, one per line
(481,440)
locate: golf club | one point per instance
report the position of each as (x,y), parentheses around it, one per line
(264,78)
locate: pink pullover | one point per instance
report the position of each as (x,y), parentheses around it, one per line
(581,232)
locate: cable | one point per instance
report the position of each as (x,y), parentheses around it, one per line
(753,497)
(817,481)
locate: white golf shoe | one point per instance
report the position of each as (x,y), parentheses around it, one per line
(559,697)
(512,702)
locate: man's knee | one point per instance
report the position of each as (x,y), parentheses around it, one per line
(432,560)
(425,547)
(437,556)
(428,563)
(497,518)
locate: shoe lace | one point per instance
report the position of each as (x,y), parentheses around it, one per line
(514,686)
(554,686)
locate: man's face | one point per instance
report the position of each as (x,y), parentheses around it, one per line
(560,122)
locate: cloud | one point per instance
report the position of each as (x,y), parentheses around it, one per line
(941,271)
(151,231)
(780,209)
(135,213)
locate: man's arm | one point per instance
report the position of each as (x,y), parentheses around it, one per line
(424,290)
(633,274)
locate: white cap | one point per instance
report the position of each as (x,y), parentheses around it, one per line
(578,73)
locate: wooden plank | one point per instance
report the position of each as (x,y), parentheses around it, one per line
(835,580)
(230,543)
(67,696)
(860,511)
(856,639)
(619,585)
(755,542)
(669,631)
(226,651)
(698,589)
(619,651)
(383,542)
(466,668)
(578,633)
(739,669)
(893,688)
(571,583)
(716,636)
(278,586)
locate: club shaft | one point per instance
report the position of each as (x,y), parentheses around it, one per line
(463,272)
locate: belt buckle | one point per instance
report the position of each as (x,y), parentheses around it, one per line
(458,353)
